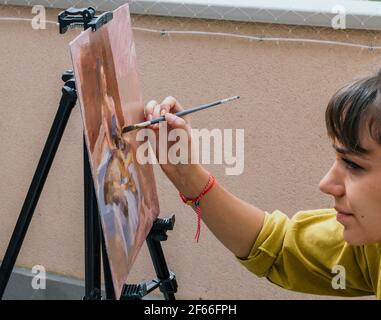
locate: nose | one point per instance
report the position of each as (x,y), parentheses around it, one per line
(333,182)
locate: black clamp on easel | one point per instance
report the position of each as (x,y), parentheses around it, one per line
(166,280)
(94,240)
(84,17)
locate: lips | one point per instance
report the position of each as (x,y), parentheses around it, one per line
(342,215)
(343,212)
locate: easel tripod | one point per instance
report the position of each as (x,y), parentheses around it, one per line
(94,241)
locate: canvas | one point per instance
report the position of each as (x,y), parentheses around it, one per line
(110,96)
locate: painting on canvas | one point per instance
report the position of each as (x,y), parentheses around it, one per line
(110,97)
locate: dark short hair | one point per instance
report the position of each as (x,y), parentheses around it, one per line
(351,109)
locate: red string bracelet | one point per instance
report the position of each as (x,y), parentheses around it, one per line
(196,202)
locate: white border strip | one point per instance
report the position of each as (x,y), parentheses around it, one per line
(360,14)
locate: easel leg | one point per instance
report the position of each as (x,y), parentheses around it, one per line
(167,279)
(92,224)
(67,103)
(168,286)
(94,241)
(109,286)
(92,235)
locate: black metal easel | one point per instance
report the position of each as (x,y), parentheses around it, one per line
(94,240)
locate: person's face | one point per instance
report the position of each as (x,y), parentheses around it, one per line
(355,183)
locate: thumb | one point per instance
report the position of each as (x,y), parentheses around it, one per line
(175,122)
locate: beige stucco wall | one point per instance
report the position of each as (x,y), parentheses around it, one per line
(284,88)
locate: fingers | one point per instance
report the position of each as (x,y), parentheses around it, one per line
(154,110)
(170,105)
(149,111)
(149,108)
(176,122)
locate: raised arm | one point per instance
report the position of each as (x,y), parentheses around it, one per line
(233,221)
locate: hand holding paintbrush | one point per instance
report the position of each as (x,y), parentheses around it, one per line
(179,114)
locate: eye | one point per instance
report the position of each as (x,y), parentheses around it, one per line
(351,165)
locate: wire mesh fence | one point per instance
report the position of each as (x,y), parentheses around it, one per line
(251,24)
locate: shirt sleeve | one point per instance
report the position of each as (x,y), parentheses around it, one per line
(308,254)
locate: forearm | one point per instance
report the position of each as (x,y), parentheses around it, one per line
(233,221)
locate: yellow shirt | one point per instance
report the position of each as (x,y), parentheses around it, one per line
(302,254)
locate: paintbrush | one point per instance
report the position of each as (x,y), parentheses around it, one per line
(179,114)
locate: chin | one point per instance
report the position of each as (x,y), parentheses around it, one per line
(352,239)
(356,240)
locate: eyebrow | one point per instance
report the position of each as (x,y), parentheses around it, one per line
(344,150)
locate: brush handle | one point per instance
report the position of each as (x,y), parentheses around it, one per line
(191,110)
(157,120)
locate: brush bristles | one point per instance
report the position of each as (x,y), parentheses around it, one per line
(136,126)
(128,128)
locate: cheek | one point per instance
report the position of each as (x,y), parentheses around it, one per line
(371,195)
(358,197)
(365,200)
(374,205)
